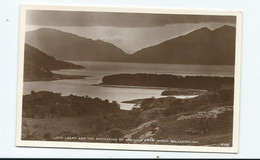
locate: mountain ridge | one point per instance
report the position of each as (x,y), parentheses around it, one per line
(69,46)
(192,48)
(202,46)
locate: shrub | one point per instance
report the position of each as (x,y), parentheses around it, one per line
(116,133)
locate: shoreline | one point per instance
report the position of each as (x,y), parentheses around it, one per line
(147,87)
(139,101)
(126,86)
(57,77)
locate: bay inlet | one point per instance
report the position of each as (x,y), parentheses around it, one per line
(97,70)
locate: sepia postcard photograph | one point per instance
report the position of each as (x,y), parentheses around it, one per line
(129,78)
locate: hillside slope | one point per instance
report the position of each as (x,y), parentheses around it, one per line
(38,65)
(68,46)
(201,46)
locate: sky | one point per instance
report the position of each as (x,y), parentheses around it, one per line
(128,31)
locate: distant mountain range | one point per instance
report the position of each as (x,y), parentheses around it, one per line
(68,46)
(38,66)
(202,46)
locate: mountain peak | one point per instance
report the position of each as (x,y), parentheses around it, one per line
(225,27)
(204,29)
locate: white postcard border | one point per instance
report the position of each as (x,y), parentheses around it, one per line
(31,143)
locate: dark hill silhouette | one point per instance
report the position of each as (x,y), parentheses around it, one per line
(202,46)
(68,46)
(38,65)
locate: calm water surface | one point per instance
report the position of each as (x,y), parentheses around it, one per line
(96,71)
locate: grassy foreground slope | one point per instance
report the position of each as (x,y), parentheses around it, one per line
(204,120)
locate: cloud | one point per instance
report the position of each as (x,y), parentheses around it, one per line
(115,38)
(76,18)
